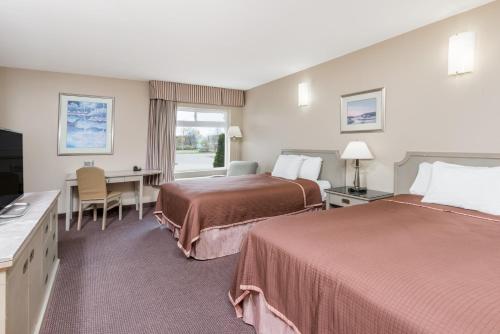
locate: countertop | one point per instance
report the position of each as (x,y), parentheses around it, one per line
(15,233)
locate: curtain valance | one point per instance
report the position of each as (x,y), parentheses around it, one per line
(198,94)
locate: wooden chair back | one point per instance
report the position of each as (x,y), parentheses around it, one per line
(91,183)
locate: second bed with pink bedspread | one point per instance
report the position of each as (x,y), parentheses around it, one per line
(394,266)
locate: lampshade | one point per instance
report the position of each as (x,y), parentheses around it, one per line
(234,132)
(461,53)
(357,150)
(304,94)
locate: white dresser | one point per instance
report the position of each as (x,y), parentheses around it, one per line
(28,264)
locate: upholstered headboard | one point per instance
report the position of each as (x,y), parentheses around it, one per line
(333,168)
(406,170)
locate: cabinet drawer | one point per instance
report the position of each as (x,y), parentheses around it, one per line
(36,286)
(115,179)
(344,201)
(131,179)
(45,227)
(54,228)
(54,219)
(47,264)
(55,255)
(49,253)
(17,297)
(49,248)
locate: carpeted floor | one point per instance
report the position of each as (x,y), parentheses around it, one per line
(132,278)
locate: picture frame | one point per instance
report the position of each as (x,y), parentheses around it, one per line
(86,124)
(363,111)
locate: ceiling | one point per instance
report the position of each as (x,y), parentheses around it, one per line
(226,43)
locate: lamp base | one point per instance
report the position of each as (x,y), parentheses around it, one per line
(359,190)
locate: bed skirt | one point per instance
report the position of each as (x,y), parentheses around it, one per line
(217,242)
(254,310)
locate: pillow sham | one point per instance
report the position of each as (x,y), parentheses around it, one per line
(287,166)
(421,183)
(311,167)
(424,175)
(473,188)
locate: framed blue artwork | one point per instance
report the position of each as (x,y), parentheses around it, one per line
(85,125)
(363,111)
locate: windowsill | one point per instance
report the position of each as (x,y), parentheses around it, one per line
(200,173)
(200,170)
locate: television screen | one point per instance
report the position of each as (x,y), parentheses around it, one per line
(11,167)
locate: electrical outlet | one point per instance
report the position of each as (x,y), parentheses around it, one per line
(88,163)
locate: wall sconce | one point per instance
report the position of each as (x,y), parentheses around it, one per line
(304,94)
(461,53)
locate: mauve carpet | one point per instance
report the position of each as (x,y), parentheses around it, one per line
(132,278)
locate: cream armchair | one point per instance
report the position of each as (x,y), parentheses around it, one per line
(237,168)
(92,191)
(242,168)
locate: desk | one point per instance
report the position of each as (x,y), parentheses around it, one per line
(121,176)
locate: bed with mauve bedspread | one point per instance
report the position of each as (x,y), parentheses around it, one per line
(211,216)
(392,266)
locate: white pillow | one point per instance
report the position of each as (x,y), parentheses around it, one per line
(446,164)
(287,166)
(421,183)
(323,185)
(473,188)
(311,166)
(424,175)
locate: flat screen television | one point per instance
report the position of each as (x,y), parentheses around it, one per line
(11,167)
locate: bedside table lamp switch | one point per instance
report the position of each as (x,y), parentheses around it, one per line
(357,150)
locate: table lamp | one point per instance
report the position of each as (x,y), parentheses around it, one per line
(357,150)
(234,132)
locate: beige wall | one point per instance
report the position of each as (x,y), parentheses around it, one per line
(426,109)
(29,104)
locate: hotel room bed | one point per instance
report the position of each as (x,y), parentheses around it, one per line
(210,217)
(392,266)
(198,209)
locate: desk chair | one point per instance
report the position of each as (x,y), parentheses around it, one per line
(92,191)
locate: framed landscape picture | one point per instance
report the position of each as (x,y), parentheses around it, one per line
(363,111)
(85,125)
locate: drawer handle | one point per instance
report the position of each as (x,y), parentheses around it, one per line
(53,259)
(46,228)
(54,236)
(46,279)
(25,266)
(346,201)
(46,251)
(32,255)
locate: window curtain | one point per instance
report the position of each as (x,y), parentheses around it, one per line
(163,118)
(161,140)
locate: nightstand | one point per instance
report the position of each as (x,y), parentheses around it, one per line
(341,197)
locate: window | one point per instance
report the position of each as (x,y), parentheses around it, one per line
(200,139)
